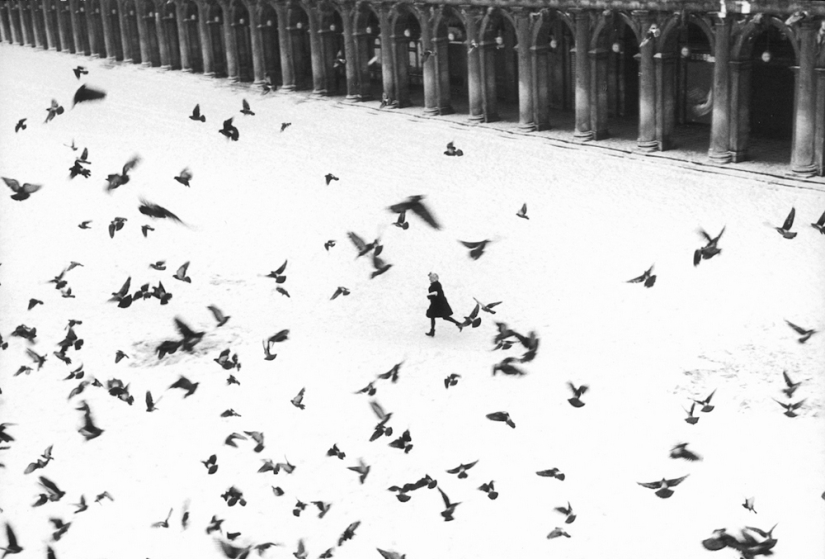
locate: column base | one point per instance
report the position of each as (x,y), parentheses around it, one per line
(145,64)
(187,70)
(805,171)
(431,111)
(720,157)
(647,146)
(352,98)
(287,87)
(738,156)
(319,93)
(583,135)
(209,74)
(527,127)
(476,118)
(111,60)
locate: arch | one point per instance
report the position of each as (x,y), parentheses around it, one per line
(169,21)
(215,21)
(113,14)
(270,41)
(553,44)
(408,35)
(333,52)
(298,26)
(5,21)
(39,23)
(98,45)
(82,29)
(450,42)
(53,25)
(28,21)
(191,14)
(242,39)
(743,46)
(499,61)
(151,40)
(670,31)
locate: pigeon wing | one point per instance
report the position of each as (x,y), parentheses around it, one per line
(12,183)
(789,220)
(677,481)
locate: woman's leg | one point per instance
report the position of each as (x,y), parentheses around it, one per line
(454,321)
(432,327)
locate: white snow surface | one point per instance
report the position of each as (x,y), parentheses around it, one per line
(595,222)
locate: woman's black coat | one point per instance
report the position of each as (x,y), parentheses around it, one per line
(439,307)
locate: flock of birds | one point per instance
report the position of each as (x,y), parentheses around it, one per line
(749,542)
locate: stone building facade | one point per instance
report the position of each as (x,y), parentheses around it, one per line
(743,70)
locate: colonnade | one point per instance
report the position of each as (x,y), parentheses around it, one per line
(598,64)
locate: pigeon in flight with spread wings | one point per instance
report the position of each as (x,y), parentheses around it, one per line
(416,205)
(21,192)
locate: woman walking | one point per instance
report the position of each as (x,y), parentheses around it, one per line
(439,307)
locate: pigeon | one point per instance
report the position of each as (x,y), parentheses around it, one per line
(159,212)
(557,533)
(361,469)
(506,367)
(401,222)
(681,451)
(335,451)
(230,413)
(12,547)
(710,249)
(363,247)
(145,230)
(552,472)
(78,169)
(116,180)
(692,419)
(85,224)
(663,487)
(403,442)
(791,386)
(748,504)
(647,277)
(150,402)
(298,400)
(415,204)
(449,507)
(268,355)
(785,230)
(568,511)
(122,295)
(185,384)
(488,307)
(280,336)
(219,316)
(224,361)
(116,225)
(278,274)
(54,110)
(85,93)
(706,407)
(81,506)
(820,224)
(184,177)
(196,114)
(230,440)
(339,291)
(246,110)
(451,380)
(501,416)
(104,495)
(329,244)
(163,523)
(21,192)
(181,273)
(804,334)
(33,303)
(89,430)
(60,528)
(159,265)
(461,469)
(21,125)
(302,552)
(390,554)
(790,407)
(522,213)
(229,130)
(489,488)
(575,401)
(214,525)
(329,177)
(476,248)
(472,320)
(379,266)
(80,70)
(37,358)
(392,374)
(452,151)
(160,293)
(369,389)
(285,125)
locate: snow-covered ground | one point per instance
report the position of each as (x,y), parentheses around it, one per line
(595,222)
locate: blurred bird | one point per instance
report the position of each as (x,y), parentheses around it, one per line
(156,211)
(473,319)
(391,554)
(647,277)
(163,523)
(391,375)
(790,407)
(361,469)
(692,419)
(489,488)
(415,204)
(329,177)
(575,401)
(78,169)
(33,303)
(368,389)
(451,380)
(246,110)
(568,511)
(453,151)
(710,249)
(820,224)
(785,230)
(706,407)
(285,125)
(501,416)
(449,507)
(120,355)
(339,291)
(268,355)
(219,316)
(145,230)
(104,495)
(363,247)
(229,130)
(329,244)
(180,275)
(348,533)
(552,472)
(54,110)
(476,248)
(36,357)
(663,487)
(184,177)
(80,70)
(279,336)
(557,533)
(89,430)
(150,402)
(523,212)
(506,367)
(85,224)
(681,451)
(159,292)
(335,451)
(114,180)
(230,413)
(21,192)
(122,296)
(196,114)
(185,384)
(401,222)
(278,274)
(85,93)
(379,266)
(230,440)
(403,442)
(461,469)
(791,386)
(805,334)
(21,125)
(12,547)
(298,400)
(302,552)
(159,265)
(748,504)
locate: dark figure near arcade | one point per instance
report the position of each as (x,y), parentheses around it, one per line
(439,307)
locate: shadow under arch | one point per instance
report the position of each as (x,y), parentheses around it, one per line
(499,65)
(270,43)
(333,51)
(215,22)
(553,46)
(190,12)
(368,51)
(298,27)
(408,35)
(450,42)
(241,37)
(169,21)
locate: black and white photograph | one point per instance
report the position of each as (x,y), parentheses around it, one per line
(454,279)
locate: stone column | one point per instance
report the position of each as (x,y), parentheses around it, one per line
(526,89)
(66,40)
(362,41)
(51,39)
(183,37)
(125,32)
(108,36)
(541,86)
(441,69)
(285,49)
(402,74)
(474,61)
(665,64)
(350,54)
(819,135)
(91,29)
(489,87)
(598,93)
(719,151)
(804,130)
(5,34)
(740,87)
(205,40)
(25,31)
(163,44)
(387,62)
(326,40)
(256,39)
(583,131)
(230,44)
(319,74)
(298,55)
(37,6)
(647,89)
(143,35)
